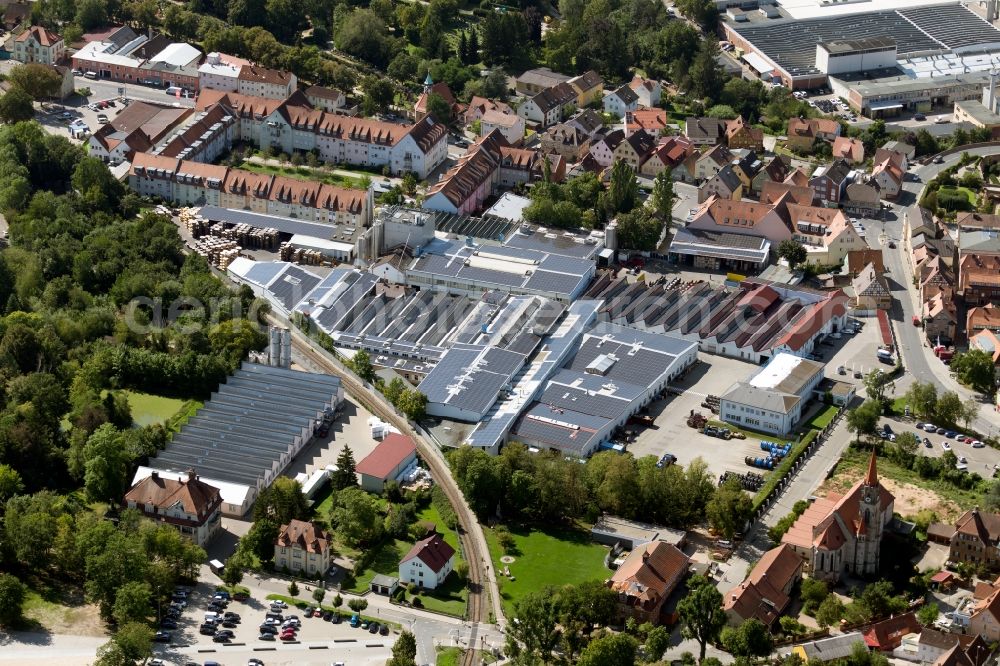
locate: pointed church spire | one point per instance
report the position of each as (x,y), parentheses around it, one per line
(871,479)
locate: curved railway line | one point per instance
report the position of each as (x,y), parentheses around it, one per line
(472,547)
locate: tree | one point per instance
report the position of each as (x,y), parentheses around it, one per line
(96,184)
(10,483)
(232,573)
(949,408)
(702,12)
(750,640)
(15,106)
(293,589)
(535,631)
(922,398)
(439,108)
(106,464)
(364,35)
(928,614)
(830,612)
(404,650)
(705,76)
(975,368)
(639,229)
(378,94)
(657,642)
(729,509)
(345,476)
(864,420)
(877,383)
(319,593)
(357,516)
(701,613)
(970,410)
(413,404)
(623,189)
(357,605)
(907,442)
(135,641)
(91,14)
(662,196)
(282,502)
(35,79)
(792,251)
(361,364)
(133,603)
(12,593)
(612,650)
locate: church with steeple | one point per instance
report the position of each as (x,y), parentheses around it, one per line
(843,533)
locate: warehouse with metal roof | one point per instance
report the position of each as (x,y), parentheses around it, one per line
(248,431)
(615,372)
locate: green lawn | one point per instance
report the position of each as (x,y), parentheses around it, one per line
(305,173)
(823,417)
(449,656)
(554,556)
(451,598)
(148,409)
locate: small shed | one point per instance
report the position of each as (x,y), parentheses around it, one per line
(385,585)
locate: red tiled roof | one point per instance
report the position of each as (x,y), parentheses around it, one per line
(42,36)
(195,496)
(304,535)
(390,452)
(433,551)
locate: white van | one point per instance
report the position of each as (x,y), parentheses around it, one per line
(174,90)
(90,74)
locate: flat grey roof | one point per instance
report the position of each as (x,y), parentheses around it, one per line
(842,46)
(469,377)
(722,245)
(237,445)
(285,225)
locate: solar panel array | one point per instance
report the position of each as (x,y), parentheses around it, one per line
(954,26)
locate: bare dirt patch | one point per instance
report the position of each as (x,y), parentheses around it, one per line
(910,499)
(70,614)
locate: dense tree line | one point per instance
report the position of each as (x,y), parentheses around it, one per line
(548,488)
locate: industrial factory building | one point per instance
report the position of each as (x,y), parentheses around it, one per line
(773,399)
(249,430)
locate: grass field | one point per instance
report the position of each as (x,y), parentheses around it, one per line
(305,173)
(148,409)
(823,418)
(451,598)
(551,557)
(449,656)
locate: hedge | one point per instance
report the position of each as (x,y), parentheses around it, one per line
(782,470)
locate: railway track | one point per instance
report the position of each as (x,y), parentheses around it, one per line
(476,558)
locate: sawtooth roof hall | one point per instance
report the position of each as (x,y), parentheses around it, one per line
(248,432)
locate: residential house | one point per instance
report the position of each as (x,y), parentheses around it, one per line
(986,318)
(933,277)
(986,341)
(440,89)
(265,82)
(547,107)
(479,105)
(536,80)
(325,99)
(830,182)
(797,177)
(564,140)
(900,159)
(775,170)
(871,290)
(648,91)
(705,131)
(766,592)
(917,221)
(620,101)
(189,504)
(602,147)
(887,635)
(906,150)
(428,563)
(587,121)
(635,148)
(774,191)
(976,537)
(739,134)
(653,121)
(667,154)
(856,260)
(139,127)
(848,149)
(862,199)
(646,579)
(940,317)
(839,533)
(711,162)
(984,619)
(589,88)
(220,71)
(726,184)
(746,168)
(741,218)
(934,646)
(888,175)
(685,171)
(804,132)
(979,278)
(16,13)
(302,548)
(39,45)
(827,233)
(509,124)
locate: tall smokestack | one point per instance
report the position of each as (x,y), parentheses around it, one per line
(274,347)
(286,348)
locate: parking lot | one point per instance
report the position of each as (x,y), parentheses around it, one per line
(78,122)
(187,638)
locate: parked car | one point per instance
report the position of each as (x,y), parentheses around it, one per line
(229,624)
(268,629)
(336,619)
(666,460)
(277,602)
(373,628)
(930,427)
(355,620)
(232,616)
(161,637)
(919,116)
(384,630)
(287,637)
(950,434)
(168,624)
(309,611)
(266,637)
(327,616)
(927,443)
(221,638)
(938,159)
(892,245)
(946,446)
(940,431)
(207,630)
(858,374)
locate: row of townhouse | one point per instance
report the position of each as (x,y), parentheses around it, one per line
(188,183)
(293,124)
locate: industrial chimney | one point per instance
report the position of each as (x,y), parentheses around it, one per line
(286,348)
